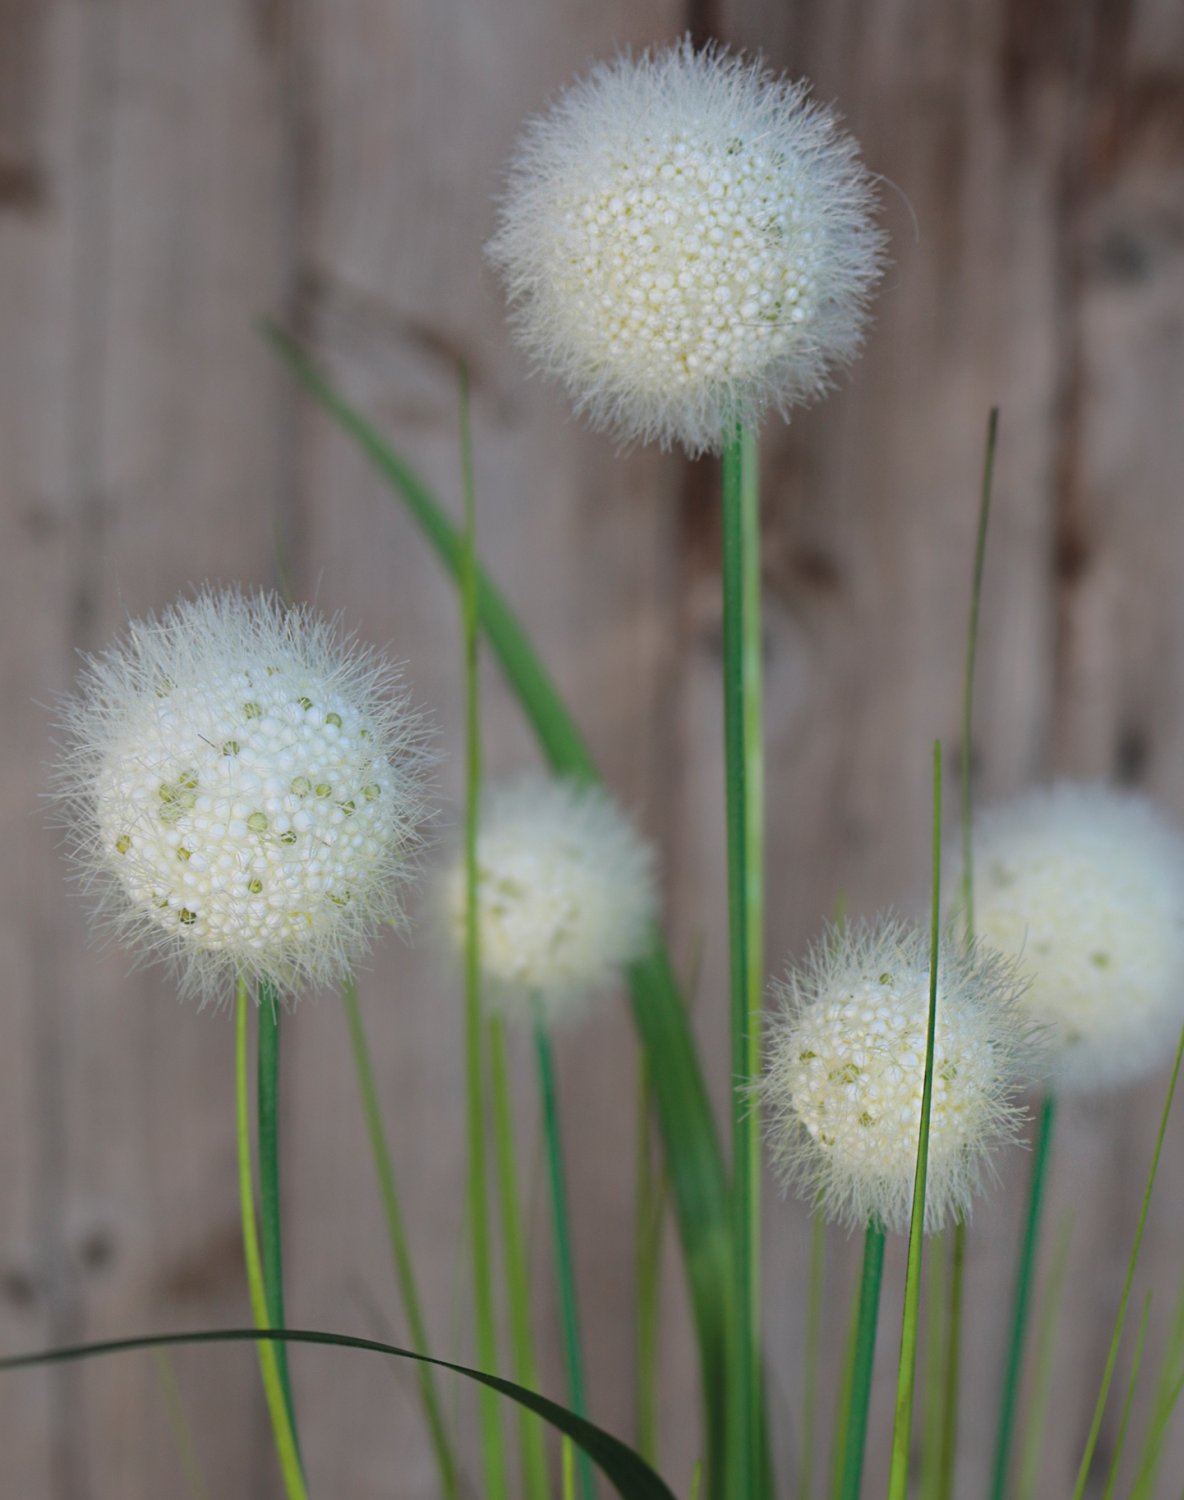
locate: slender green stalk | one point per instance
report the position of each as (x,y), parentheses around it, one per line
(186,1453)
(567,1460)
(1125,1420)
(397,1236)
(649,1216)
(270,1218)
(935,1370)
(273,1390)
(744,772)
(860,1399)
(1120,1318)
(838,1452)
(565,1273)
(1167,1391)
(1024,1278)
(492,1447)
(517,1273)
(1042,1366)
(953,1363)
(813,1351)
(898,1476)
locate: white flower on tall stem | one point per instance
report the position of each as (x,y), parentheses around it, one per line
(1084,885)
(845,1067)
(687,241)
(241,785)
(565,896)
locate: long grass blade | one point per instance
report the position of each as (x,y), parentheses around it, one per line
(838,1451)
(397,1237)
(186,1453)
(273,1390)
(953,1363)
(630,1476)
(1168,1387)
(1120,1318)
(270,1218)
(934,1355)
(898,1476)
(812,1354)
(649,1218)
(690,1138)
(1042,1366)
(1124,1421)
(860,1398)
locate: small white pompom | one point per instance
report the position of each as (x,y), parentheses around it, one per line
(241,785)
(565,895)
(1084,886)
(687,241)
(845,1069)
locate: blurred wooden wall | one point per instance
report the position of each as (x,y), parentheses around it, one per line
(168,172)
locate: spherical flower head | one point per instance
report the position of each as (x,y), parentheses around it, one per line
(565,896)
(687,240)
(241,784)
(845,1069)
(1084,885)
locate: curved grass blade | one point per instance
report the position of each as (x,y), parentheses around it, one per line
(691,1140)
(630,1476)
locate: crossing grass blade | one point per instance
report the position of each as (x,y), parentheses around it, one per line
(690,1136)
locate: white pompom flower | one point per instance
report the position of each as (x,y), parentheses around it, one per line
(687,240)
(565,896)
(241,785)
(845,1069)
(1084,885)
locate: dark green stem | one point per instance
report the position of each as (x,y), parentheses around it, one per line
(953,1363)
(859,1403)
(270,1226)
(1022,1299)
(565,1274)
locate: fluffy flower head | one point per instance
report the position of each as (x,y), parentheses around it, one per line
(565,895)
(1084,885)
(687,241)
(845,1070)
(241,784)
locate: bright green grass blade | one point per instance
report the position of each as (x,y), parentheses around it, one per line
(696,1481)
(1120,1318)
(492,1448)
(690,1138)
(743,770)
(812,1354)
(514,1263)
(569,1470)
(273,1390)
(397,1236)
(953,1364)
(630,1476)
(565,1274)
(860,1391)
(898,1476)
(935,1383)
(186,1453)
(1025,1275)
(1042,1365)
(1125,1420)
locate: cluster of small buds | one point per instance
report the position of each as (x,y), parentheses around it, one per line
(1084,886)
(687,240)
(845,1071)
(565,896)
(243,786)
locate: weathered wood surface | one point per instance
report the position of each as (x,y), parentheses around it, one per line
(168,171)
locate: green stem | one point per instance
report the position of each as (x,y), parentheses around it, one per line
(270,1219)
(935,1360)
(1022,1298)
(898,1476)
(812,1354)
(1125,1420)
(277,1407)
(1043,1350)
(186,1453)
(1120,1318)
(565,1275)
(838,1452)
(397,1236)
(649,1218)
(859,1402)
(492,1447)
(953,1363)
(517,1272)
(744,773)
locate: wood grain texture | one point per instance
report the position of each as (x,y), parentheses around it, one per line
(168,172)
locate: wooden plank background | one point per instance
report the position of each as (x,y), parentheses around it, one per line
(171,170)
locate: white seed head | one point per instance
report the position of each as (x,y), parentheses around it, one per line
(687,240)
(241,785)
(1084,886)
(845,1069)
(565,895)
